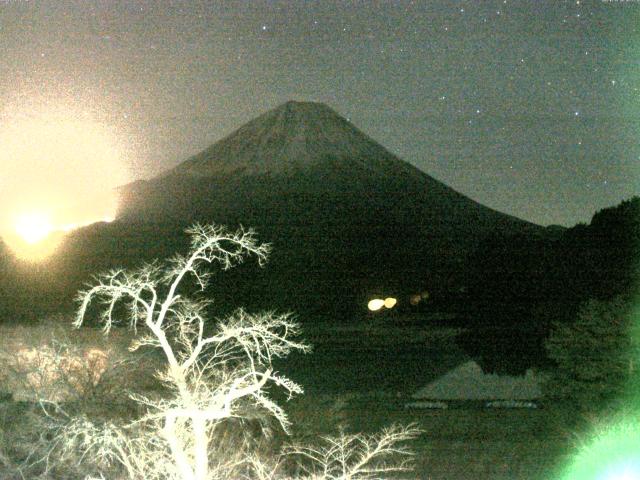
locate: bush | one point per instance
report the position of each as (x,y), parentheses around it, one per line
(596,355)
(47,362)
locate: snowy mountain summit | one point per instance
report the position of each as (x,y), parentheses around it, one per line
(292,138)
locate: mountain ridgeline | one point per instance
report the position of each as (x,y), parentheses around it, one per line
(346,218)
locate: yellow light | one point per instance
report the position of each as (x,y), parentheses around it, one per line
(58,172)
(33,227)
(27,249)
(390,302)
(375,304)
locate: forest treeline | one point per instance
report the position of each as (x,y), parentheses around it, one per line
(523,284)
(521,281)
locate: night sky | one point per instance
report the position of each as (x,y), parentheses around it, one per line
(529,107)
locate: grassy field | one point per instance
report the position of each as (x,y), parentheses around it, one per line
(456,444)
(359,379)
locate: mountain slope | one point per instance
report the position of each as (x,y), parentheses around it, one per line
(289,139)
(346,216)
(347,219)
(304,148)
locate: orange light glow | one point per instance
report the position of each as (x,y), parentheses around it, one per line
(58,171)
(415,299)
(31,243)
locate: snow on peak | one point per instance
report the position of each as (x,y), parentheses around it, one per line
(291,138)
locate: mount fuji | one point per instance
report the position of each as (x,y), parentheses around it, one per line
(346,218)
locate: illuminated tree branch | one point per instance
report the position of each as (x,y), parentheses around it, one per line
(213,373)
(211,377)
(360,457)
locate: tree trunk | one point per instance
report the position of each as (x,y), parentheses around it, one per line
(201,448)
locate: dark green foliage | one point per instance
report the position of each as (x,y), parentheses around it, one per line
(518,285)
(510,275)
(596,355)
(510,278)
(600,260)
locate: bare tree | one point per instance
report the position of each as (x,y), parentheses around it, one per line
(210,376)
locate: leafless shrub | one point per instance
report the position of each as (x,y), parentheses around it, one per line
(44,362)
(358,456)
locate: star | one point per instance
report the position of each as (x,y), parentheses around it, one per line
(387,49)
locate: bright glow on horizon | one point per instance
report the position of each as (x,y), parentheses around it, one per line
(74,226)
(35,238)
(58,172)
(33,227)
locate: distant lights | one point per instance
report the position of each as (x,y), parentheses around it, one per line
(375,304)
(378,303)
(416,298)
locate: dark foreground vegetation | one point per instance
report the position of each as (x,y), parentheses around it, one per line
(454,444)
(204,403)
(563,301)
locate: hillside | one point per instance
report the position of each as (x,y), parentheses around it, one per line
(347,218)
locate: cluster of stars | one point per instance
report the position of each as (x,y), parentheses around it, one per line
(473,69)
